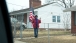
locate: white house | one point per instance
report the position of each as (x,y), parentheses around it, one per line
(52,16)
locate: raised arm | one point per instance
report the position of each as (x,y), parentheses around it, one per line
(39,21)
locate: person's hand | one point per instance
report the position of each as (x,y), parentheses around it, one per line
(40,18)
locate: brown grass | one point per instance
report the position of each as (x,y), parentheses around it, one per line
(30,33)
(57,36)
(54,39)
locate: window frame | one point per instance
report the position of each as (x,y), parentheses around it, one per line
(53,19)
(56,18)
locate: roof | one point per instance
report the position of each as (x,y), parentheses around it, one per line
(28,9)
(70,9)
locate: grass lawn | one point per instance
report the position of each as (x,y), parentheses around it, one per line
(30,33)
(53,39)
(56,36)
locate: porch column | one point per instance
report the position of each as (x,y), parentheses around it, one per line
(73,22)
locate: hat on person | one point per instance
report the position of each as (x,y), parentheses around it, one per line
(36,16)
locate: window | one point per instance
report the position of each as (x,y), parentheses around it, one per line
(58,18)
(55,18)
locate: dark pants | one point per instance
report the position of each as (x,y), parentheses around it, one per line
(36,32)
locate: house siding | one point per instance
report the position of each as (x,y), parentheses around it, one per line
(46,14)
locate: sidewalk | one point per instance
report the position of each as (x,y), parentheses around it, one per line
(16,41)
(32,37)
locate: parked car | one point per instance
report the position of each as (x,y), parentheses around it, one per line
(17,24)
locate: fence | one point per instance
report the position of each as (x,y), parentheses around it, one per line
(51,25)
(44,35)
(26,33)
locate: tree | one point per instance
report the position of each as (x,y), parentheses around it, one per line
(66,21)
(64,3)
(67,3)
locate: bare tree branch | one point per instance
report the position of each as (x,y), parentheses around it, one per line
(60,4)
(67,4)
(72,2)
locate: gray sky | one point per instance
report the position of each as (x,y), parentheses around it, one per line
(20,4)
(17,4)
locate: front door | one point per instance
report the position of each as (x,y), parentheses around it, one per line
(25,18)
